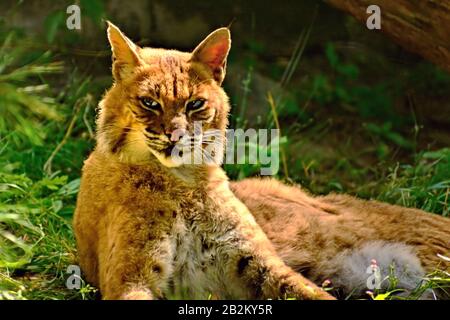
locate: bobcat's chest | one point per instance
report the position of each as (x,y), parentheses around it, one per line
(197,266)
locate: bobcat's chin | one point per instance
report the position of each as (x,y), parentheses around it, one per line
(166,160)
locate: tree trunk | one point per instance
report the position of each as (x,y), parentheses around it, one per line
(420,26)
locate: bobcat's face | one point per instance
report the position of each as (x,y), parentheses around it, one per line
(161,98)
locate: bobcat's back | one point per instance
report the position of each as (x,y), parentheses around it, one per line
(337,236)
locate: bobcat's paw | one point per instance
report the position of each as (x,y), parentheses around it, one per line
(138,294)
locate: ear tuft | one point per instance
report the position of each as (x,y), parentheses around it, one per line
(213,52)
(125,52)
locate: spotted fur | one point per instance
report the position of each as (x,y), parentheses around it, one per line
(147,228)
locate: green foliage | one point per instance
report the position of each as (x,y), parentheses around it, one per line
(36,208)
(386,131)
(242,168)
(424,185)
(94,9)
(55,22)
(373,102)
(24,98)
(343,88)
(36,240)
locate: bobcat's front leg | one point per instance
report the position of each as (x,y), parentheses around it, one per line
(135,272)
(134,259)
(269,278)
(259,269)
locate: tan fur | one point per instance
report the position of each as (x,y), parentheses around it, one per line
(148,228)
(308,232)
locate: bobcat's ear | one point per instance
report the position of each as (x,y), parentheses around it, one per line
(124,52)
(213,52)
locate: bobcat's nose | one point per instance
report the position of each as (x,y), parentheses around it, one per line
(176,134)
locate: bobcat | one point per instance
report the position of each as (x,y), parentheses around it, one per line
(147,227)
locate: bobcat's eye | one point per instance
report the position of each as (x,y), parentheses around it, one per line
(150,104)
(195,104)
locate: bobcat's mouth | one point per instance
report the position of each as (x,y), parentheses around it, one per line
(164,156)
(168,150)
(167,155)
(188,150)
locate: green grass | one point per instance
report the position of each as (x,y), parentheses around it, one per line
(46,133)
(36,238)
(424,184)
(38,182)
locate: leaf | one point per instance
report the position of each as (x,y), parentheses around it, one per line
(94,9)
(53,22)
(349,70)
(332,57)
(385,296)
(71,188)
(439,154)
(57,205)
